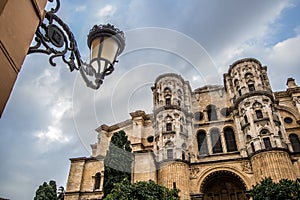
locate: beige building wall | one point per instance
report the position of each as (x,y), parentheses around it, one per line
(18,23)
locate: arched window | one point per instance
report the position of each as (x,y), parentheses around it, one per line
(216,141)
(295,142)
(179,95)
(236,82)
(169,146)
(169,154)
(240,92)
(169,127)
(202,143)
(97,178)
(168,101)
(230,139)
(251,87)
(168,95)
(252,147)
(248,138)
(182,155)
(211,112)
(246,119)
(259,114)
(168,121)
(267,143)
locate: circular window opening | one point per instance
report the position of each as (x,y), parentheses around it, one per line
(199,115)
(225,112)
(288,120)
(150,139)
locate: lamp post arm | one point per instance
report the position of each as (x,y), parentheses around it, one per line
(54,37)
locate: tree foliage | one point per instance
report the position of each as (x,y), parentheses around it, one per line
(118,161)
(141,190)
(269,190)
(49,192)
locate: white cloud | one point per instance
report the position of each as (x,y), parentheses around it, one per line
(53,134)
(287,51)
(61,108)
(106,12)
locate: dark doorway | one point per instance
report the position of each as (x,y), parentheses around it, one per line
(223,185)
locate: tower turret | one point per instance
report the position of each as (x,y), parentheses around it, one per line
(172,126)
(256,116)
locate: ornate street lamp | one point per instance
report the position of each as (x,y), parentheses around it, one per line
(106,42)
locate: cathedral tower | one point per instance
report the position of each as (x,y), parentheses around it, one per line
(260,129)
(172,126)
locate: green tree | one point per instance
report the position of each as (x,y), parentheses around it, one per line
(118,161)
(46,191)
(269,190)
(141,190)
(49,192)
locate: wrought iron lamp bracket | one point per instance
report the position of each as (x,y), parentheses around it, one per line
(54,37)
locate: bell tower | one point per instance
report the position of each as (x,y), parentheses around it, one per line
(260,129)
(172,127)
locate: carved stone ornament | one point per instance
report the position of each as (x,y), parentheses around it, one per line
(296,99)
(246,167)
(194,171)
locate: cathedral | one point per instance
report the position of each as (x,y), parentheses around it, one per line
(214,142)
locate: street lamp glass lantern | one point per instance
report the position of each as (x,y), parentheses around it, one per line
(106,43)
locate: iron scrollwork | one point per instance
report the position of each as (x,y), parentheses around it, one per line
(53,36)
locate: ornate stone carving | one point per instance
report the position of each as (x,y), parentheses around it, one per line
(194,171)
(246,167)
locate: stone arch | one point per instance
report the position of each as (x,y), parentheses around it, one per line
(290,111)
(248,76)
(264,131)
(168,118)
(201,138)
(215,138)
(223,184)
(257,105)
(246,181)
(211,112)
(230,138)
(266,128)
(169,144)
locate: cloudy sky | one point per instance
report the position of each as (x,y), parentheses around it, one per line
(52,116)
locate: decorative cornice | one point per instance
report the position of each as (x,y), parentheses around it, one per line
(271,149)
(242,61)
(254,93)
(140,113)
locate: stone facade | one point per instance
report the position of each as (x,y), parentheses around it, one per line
(214,142)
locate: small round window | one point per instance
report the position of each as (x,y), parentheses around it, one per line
(288,120)
(199,115)
(150,139)
(225,112)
